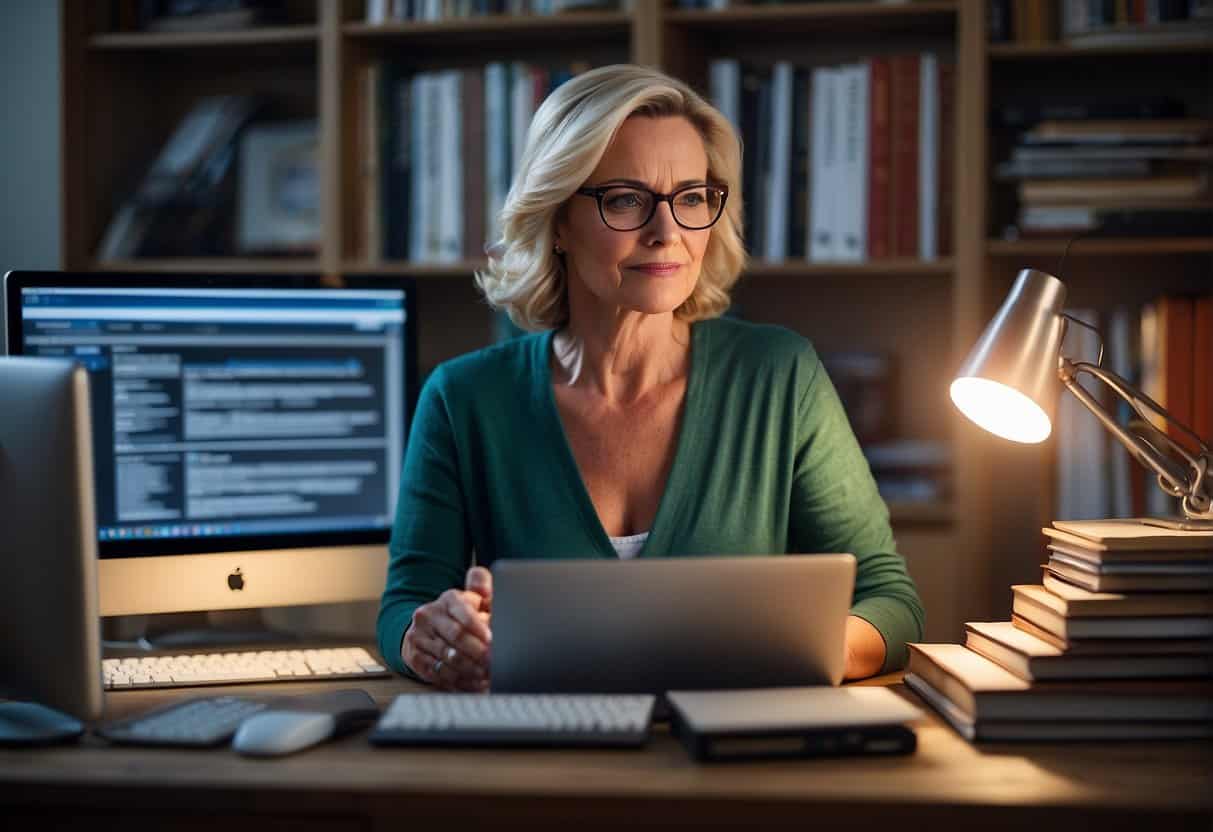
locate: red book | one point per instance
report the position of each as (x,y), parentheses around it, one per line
(947,152)
(1202,387)
(1177,363)
(904,70)
(879,161)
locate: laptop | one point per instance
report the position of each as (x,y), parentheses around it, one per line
(654,625)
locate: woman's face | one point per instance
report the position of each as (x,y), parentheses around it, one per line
(654,268)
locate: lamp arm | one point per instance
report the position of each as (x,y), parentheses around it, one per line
(1190,482)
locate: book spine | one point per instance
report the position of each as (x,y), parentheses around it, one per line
(776,247)
(798,198)
(751,85)
(418,121)
(451,233)
(905,71)
(947,153)
(854,122)
(1202,370)
(496,146)
(928,157)
(879,151)
(473,162)
(821,243)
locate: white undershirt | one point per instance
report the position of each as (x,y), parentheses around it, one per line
(629,547)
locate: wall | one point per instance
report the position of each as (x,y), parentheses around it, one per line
(29,136)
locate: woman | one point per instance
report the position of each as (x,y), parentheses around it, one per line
(636,422)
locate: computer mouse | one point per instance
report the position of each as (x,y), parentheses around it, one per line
(274,733)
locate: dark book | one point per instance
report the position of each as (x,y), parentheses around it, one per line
(798,192)
(751,86)
(473,163)
(395,101)
(947,152)
(1030,112)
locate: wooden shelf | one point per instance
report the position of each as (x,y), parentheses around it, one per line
(212,265)
(1065,51)
(301,35)
(866,18)
(1089,247)
(757,269)
(941,267)
(908,514)
(502,28)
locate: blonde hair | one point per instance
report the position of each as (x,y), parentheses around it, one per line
(564,144)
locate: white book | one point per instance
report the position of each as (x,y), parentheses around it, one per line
(825,158)
(1082,451)
(496,147)
(724,81)
(522,102)
(928,157)
(376,11)
(450,159)
(780,155)
(419,119)
(852,129)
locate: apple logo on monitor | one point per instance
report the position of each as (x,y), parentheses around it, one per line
(235,581)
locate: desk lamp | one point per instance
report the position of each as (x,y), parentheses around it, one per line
(1010,380)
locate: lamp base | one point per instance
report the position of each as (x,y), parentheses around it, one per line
(1178,524)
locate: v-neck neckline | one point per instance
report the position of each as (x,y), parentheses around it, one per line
(674,484)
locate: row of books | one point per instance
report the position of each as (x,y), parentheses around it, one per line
(1165,349)
(382,11)
(1119,176)
(439,152)
(1094,23)
(844,163)
(1114,644)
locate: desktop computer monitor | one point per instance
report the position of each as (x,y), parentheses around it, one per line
(248,431)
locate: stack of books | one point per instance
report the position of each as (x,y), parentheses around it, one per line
(1116,643)
(1113,176)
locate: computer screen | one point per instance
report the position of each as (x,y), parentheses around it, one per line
(248,432)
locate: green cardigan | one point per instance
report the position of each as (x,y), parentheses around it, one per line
(766,463)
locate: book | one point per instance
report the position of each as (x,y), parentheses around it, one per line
(1114,646)
(928,157)
(780,154)
(906,88)
(1078,602)
(1077,573)
(824,162)
(947,153)
(1033,659)
(879,159)
(983,690)
(1202,366)
(1134,567)
(1051,613)
(1036,731)
(473,159)
(1096,556)
(1113,190)
(852,131)
(1121,131)
(1028,112)
(792,722)
(1127,534)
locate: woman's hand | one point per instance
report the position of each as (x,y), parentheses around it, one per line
(865,649)
(447,643)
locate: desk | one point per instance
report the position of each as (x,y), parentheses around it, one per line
(948,784)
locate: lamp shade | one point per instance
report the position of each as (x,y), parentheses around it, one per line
(1008,384)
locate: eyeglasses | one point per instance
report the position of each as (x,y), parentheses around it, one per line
(626,208)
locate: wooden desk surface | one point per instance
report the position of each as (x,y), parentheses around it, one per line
(349,784)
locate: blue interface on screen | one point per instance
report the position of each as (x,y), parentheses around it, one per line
(231,412)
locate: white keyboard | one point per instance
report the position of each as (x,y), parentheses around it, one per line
(515,719)
(192,669)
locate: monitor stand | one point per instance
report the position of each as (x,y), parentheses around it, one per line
(220,630)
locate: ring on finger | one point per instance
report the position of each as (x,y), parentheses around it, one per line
(450,655)
(437,668)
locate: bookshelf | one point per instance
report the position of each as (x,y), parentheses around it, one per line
(126,90)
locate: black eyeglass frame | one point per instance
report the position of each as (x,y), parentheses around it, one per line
(598,192)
